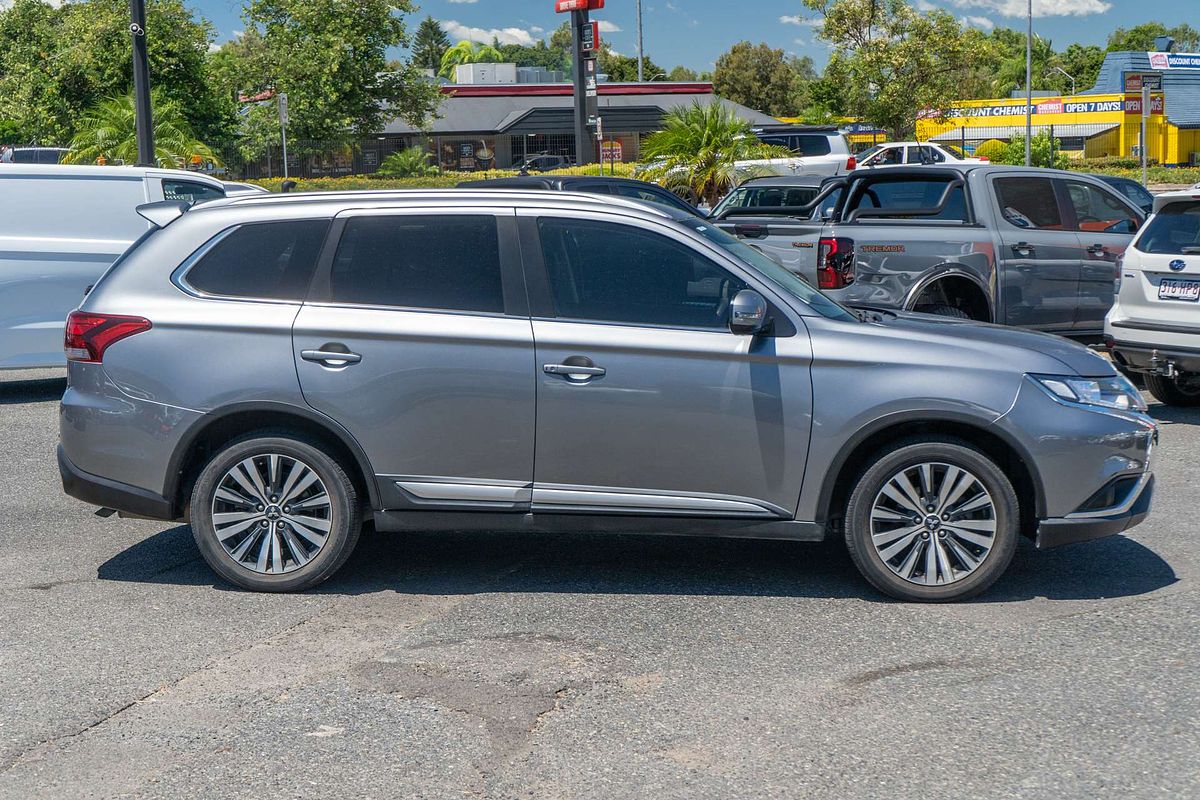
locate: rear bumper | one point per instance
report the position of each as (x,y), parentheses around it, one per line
(1140,357)
(97,491)
(1085,527)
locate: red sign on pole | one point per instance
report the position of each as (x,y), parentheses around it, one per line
(563,6)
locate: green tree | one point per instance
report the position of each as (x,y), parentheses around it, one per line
(467,52)
(331,60)
(539,55)
(1141,37)
(682,74)
(108,130)
(30,97)
(760,77)
(1045,151)
(695,153)
(1082,62)
(429,45)
(623,69)
(412,162)
(899,63)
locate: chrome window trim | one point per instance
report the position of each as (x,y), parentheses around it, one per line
(179,275)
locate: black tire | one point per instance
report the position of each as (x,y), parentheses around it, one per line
(910,453)
(943,310)
(344,517)
(1174,391)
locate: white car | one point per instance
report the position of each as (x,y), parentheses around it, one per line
(61,228)
(817,151)
(890,154)
(1154,326)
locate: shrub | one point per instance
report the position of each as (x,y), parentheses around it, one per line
(991,149)
(412,162)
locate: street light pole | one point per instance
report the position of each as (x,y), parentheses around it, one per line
(639,26)
(1029,89)
(141,84)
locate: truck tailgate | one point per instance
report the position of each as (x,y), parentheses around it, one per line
(792,241)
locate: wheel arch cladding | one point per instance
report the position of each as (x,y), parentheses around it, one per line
(212,432)
(857,455)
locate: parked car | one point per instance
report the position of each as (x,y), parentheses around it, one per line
(544,162)
(914,153)
(238,189)
(62,227)
(1133,191)
(1154,326)
(817,150)
(776,192)
(274,369)
(33,155)
(1029,247)
(591,184)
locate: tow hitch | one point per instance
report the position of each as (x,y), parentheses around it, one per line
(1161,366)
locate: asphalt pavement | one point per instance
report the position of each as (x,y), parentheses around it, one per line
(536,666)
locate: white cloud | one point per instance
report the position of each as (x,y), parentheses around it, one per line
(609,27)
(536,29)
(1041,8)
(799,41)
(979,22)
(799,20)
(924,6)
(464,2)
(462,32)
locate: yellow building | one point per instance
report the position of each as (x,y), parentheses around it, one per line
(1104,122)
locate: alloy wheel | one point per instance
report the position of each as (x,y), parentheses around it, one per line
(271,513)
(933,523)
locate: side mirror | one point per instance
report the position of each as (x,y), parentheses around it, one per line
(748,313)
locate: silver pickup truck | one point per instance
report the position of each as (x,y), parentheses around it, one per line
(1037,248)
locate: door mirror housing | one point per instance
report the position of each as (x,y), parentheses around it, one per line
(748,313)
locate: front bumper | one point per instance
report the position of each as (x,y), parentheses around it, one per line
(1085,526)
(97,491)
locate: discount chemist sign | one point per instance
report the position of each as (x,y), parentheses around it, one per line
(1174,60)
(1057,105)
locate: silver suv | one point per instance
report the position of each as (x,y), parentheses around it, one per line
(279,369)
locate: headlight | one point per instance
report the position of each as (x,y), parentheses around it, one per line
(1115,392)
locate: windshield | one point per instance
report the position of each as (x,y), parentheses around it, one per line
(1173,231)
(782,277)
(767,196)
(865,154)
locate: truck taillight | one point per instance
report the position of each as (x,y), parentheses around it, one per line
(89,335)
(851,164)
(835,263)
(1117,267)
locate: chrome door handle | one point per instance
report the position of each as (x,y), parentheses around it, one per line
(1023,249)
(329,357)
(1098,250)
(571,369)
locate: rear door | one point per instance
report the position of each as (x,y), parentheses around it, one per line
(1105,224)
(417,340)
(1039,256)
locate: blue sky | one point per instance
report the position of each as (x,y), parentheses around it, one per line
(695,32)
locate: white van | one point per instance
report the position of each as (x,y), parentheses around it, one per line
(60,229)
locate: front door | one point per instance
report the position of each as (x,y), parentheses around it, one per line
(646,401)
(1039,256)
(416,340)
(1105,224)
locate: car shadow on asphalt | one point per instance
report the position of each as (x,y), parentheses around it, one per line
(481,563)
(31,391)
(1175,414)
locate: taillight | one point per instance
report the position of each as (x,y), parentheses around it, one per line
(835,263)
(89,335)
(985,159)
(851,164)
(1118,267)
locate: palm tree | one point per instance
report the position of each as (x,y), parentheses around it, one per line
(696,151)
(467,52)
(108,130)
(410,163)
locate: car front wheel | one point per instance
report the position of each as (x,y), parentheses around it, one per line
(932,521)
(275,513)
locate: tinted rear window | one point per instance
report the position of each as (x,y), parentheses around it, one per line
(447,262)
(269,261)
(1173,231)
(813,145)
(914,194)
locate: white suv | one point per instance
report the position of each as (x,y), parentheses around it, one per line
(1154,327)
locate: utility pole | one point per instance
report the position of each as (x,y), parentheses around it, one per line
(641,76)
(141,85)
(1029,89)
(282,100)
(587,89)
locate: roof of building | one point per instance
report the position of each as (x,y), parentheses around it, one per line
(516,109)
(1181,87)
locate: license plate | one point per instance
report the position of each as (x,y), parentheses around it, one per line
(1179,290)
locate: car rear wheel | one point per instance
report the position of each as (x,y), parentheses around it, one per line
(943,310)
(275,513)
(1182,390)
(932,521)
